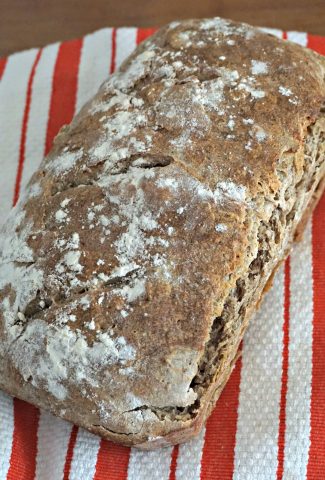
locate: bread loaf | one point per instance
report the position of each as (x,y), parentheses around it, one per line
(144,242)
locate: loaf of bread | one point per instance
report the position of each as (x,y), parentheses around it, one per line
(144,242)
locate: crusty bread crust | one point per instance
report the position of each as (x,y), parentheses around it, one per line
(144,242)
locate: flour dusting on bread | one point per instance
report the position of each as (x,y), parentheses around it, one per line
(142,245)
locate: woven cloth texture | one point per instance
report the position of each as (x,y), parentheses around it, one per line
(270,420)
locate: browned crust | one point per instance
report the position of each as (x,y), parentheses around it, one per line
(181,436)
(136,227)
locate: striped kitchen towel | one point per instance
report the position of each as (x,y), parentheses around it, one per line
(270,420)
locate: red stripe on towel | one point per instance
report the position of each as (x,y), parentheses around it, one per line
(144,33)
(220,439)
(112,461)
(24,129)
(285,357)
(24,447)
(64,89)
(316,465)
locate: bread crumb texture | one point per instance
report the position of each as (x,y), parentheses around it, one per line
(139,249)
